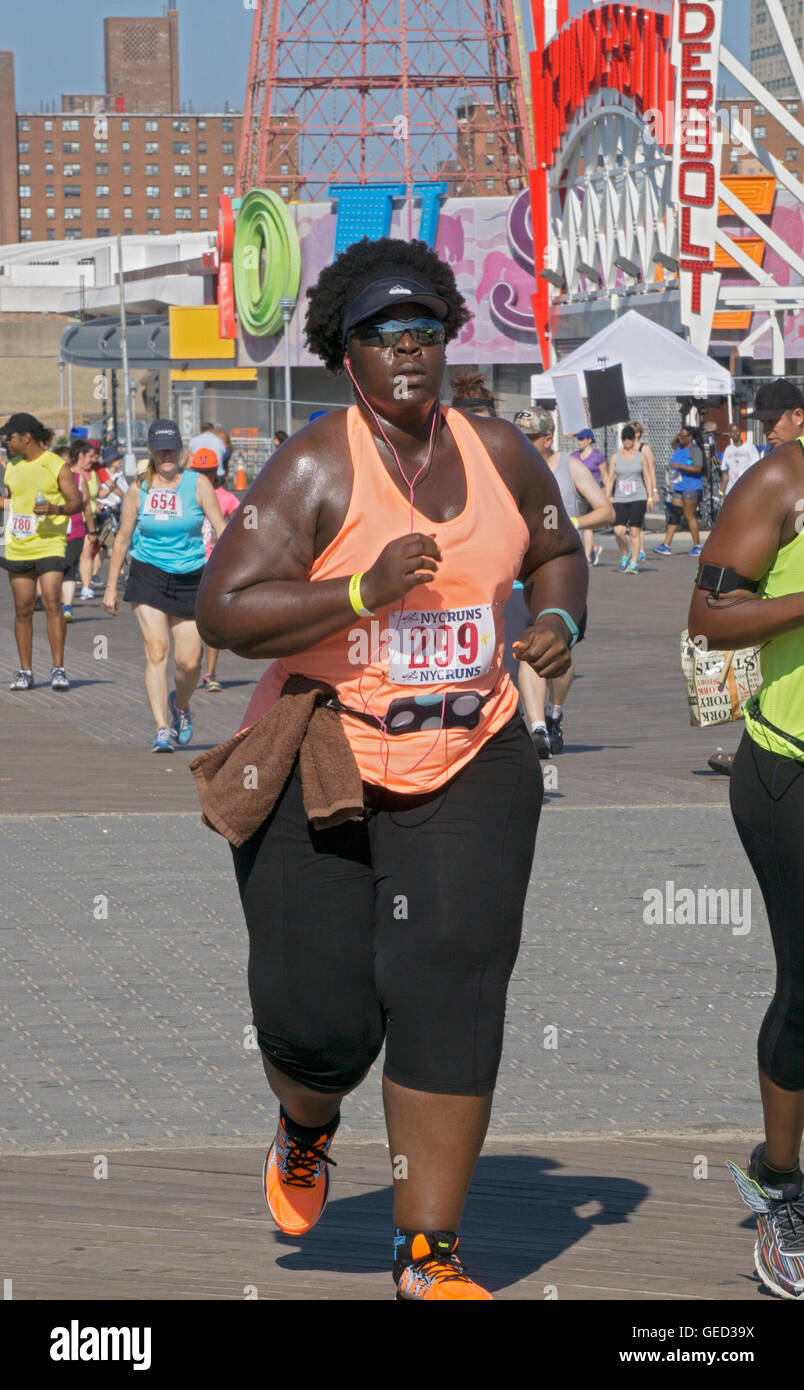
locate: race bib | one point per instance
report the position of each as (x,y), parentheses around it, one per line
(162,502)
(22,528)
(440,646)
(628,487)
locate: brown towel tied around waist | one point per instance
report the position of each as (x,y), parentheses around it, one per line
(240,781)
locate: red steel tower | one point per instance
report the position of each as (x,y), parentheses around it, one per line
(365,91)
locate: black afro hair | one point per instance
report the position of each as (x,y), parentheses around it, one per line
(365,261)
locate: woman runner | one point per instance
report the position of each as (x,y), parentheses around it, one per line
(162,520)
(755,555)
(404,926)
(40,494)
(632,485)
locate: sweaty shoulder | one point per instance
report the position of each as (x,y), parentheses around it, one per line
(512,454)
(308,480)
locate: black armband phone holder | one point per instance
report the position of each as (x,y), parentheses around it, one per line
(719,581)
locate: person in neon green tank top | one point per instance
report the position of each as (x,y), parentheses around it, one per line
(758,542)
(36,538)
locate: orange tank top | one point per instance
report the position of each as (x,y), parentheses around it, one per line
(445,636)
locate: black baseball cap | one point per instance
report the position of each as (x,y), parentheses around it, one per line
(164,434)
(110,453)
(773,400)
(20,424)
(383,294)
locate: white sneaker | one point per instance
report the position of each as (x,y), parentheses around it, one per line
(88,593)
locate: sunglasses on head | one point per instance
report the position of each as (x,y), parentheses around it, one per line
(424,331)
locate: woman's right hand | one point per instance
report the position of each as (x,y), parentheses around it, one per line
(111,601)
(400,567)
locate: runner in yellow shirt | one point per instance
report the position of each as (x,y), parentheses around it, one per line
(39,495)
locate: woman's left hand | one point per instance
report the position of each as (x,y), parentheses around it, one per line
(544,649)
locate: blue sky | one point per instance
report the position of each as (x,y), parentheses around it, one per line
(59,46)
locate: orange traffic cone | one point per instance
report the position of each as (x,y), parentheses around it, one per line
(240,478)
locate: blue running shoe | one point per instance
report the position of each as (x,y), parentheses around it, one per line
(624,564)
(662,550)
(181,725)
(163,743)
(696,550)
(642,557)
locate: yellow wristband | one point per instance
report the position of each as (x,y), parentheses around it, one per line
(574,520)
(355,598)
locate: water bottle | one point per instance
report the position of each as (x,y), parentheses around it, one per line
(40,497)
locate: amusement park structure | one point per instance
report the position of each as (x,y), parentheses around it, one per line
(385,91)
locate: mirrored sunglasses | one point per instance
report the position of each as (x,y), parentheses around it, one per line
(426,332)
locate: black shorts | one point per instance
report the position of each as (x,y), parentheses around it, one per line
(174,594)
(404,927)
(46,564)
(630,513)
(71,558)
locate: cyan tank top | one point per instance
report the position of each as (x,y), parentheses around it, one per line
(169,526)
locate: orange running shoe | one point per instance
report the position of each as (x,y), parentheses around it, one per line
(296,1177)
(426,1266)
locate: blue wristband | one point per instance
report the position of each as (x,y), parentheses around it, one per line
(572,627)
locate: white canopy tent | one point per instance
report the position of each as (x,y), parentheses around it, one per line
(655,362)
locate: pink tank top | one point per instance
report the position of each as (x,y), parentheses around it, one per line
(445,636)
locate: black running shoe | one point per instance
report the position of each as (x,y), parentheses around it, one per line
(541,740)
(556,732)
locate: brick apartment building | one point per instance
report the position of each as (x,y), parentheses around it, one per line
(488,170)
(767,131)
(127,160)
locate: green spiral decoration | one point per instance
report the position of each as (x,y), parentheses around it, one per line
(267,261)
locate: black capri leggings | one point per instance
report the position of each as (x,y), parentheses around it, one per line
(767,802)
(403,927)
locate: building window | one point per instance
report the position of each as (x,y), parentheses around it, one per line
(152,169)
(48,125)
(126,190)
(48,147)
(152,190)
(70,147)
(201,125)
(228,189)
(181,147)
(202,149)
(227,125)
(203,214)
(24,147)
(182,169)
(202,191)
(70,125)
(128,231)
(50,213)
(102,231)
(229,169)
(72,214)
(153,214)
(126,168)
(102,214)
(23,124)
(72,190)
(184,214)
(101,168)
(283,169)
(51,235)
(25,190)
(72,171)
(126,147)
(489,137)
(125,125)
(182,126)
(73,234)
(101,190)
(182,190)
(284,190)
(489,183)
(202,168)
(49,190)
(790,155)
(127,213)
(152,126)
(25,214)
(101,146)
(151,147)
(23,169)
(26,234)
(227,147)
(759,131)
